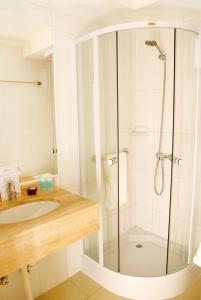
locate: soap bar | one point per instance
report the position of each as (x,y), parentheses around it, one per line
(32,190)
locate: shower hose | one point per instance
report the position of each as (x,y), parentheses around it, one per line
(159,188)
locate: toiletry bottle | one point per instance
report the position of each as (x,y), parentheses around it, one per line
(43,184)
(49,183)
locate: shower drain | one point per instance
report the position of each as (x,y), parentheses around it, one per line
(139,246)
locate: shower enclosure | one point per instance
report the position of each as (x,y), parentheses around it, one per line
(137,87)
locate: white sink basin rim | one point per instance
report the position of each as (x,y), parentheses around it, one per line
(27,211)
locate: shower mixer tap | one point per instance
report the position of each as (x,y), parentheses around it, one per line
(163,156)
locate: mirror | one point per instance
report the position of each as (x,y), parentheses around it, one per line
(26,93)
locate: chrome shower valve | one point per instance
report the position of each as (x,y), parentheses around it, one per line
(162,156)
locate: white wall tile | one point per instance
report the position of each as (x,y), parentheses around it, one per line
(184,145)
(127,59)
(160,224)
(144,108)
(179,232)
(107,55)
(162,203)
(144,217)
(87,159)
(181,199)
(144,196)
(125,110)
(145,151)
(168,110)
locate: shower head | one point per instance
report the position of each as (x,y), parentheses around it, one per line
(152,43)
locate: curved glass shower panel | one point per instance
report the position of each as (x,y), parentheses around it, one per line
(147,93)
(186,73)
(86,134)
(143,98)
(109,142)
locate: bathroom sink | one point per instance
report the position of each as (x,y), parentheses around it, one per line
(28,211)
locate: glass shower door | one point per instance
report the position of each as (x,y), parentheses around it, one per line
(185,94)
(146,83)
(88,186)
(144,215)
(109,144)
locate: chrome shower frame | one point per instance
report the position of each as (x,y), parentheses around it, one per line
(169,285)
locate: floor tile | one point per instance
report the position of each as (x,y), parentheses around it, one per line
(103,294)
(192,293)
(85,284)
(81,287)
(64,291)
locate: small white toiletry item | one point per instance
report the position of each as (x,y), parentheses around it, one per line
(9,182)
(4,190)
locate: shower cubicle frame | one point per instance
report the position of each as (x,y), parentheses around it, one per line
(127,286)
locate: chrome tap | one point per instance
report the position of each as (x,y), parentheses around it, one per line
(174,159)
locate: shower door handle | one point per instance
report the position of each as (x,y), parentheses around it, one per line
(112,161)
(178,161)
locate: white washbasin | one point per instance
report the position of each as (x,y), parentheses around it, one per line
(28,211)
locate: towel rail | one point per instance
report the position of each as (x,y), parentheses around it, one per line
(20,81)
(113,160)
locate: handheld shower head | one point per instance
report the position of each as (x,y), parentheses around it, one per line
(153,43)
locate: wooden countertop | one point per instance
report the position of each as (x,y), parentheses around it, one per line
(26,242)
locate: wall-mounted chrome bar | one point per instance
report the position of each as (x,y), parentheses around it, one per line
(114,158)
(19,81)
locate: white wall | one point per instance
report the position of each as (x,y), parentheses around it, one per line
(55,268)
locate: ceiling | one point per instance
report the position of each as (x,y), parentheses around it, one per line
(93,7)
(192,4)
(19,19)
(132,4)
